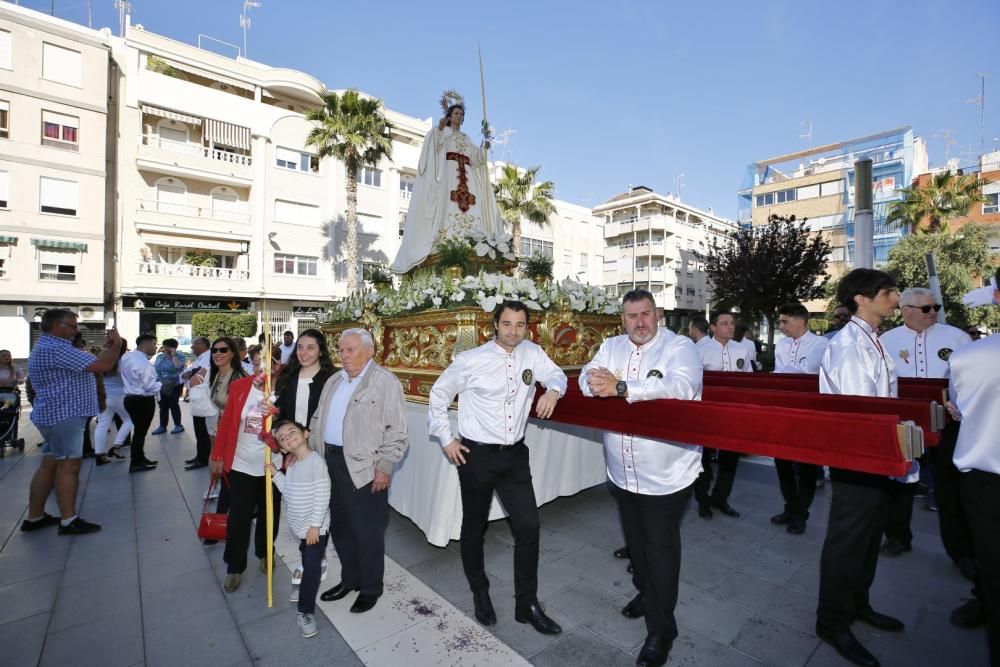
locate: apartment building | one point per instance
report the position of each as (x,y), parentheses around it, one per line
(657,242)
(573,240)
(54,182)
(987,168)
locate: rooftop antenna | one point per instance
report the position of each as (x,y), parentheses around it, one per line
(949,141)
(808,136)
(980,100)
(505,140)
(124,8)
(968,153)
(680,184)
(245,21)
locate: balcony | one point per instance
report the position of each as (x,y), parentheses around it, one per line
(645,223)
(158,216)
(191,160)
(169,270)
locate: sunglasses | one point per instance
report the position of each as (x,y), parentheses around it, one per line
(926,309)
(220,350)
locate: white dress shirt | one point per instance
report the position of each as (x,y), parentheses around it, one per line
(666,367)
(799,355)
(731,357)
(495,390)
(975,386)
(856,363)
(337,410)
(138,375)
(286,352)
(751,348)
(203,362)
(923,354)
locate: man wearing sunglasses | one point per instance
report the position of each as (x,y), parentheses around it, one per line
(920,348)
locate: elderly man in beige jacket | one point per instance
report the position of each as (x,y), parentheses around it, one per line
(360,423)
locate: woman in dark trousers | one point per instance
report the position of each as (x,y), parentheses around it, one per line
(301,380)
(225,368)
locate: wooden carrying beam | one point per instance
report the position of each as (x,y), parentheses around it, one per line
(929,389)
(872,443)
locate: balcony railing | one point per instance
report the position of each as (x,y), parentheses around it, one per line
(191,271)
(187,148)
(209,213)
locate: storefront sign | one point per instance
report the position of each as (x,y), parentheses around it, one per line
(173,303)
(313,312)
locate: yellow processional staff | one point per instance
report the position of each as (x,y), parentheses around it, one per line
(266,430)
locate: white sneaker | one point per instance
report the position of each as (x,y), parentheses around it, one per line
(307,624)
(294,597)
(323,568)
(297,576)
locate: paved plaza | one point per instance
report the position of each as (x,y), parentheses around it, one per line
(145,591)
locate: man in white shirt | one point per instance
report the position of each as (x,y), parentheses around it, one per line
(201,347)
(141,389)
(920,348)
(720,353)
(287,347)
(856,363)
(698,330)
(650,479)
(800,351)
(743,336)
(495,385)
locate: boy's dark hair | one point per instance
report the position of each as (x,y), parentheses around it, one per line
(699,323)
(794,310)
(142,338)
(866,282)
(634,295)
(53,315)
(170,342)
(715,316)
(516,306)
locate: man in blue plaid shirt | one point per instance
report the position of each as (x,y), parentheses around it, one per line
(65,396)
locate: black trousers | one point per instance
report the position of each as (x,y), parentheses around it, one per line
(170,406)
(140,410)
(956,534)
(359,519)
(247,496)
(652,526)
(858,513)
(489,468)
(798,485)
(202,439)
(981,499)
(703,491)
(312,569)
(897,521)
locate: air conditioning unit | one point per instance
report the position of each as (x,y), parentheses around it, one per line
(91,313)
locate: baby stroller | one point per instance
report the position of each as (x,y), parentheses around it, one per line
(10,413)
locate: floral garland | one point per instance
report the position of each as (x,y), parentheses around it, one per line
(427,291)
(492,244)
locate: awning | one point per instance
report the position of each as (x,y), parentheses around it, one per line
(227,134)
(219,245)
(59,245)
(172,115)
(8,239)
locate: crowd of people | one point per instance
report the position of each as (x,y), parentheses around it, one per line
(339,433)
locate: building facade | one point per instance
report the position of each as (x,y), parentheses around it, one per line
(573,240)
(54,180)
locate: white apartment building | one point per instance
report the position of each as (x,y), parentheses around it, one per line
(222,206)
(656,242)
(54,107)
(573,240)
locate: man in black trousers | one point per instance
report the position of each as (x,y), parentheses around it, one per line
(141,391)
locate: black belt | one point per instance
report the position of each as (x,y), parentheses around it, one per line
(476,443)
(140,395)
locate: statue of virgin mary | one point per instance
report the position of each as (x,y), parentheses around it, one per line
(452,195)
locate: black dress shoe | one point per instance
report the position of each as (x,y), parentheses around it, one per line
(704,511)
(725,508)
(969,615)
(630,568)
(337,592)
(364,603)
(539,621)
(140,467)
(195,465)
(782,519)
(893,548)
(846,644)
(621,553)
(881,621)
(655,651)
(190,461)
(150,462)
(634,608)
(485,613)
(796,525)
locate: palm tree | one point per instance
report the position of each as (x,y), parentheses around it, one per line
(518,196)
(946,196)
(353,129)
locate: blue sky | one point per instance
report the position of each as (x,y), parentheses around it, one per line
(607,94)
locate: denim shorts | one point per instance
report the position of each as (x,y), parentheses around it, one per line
(64,440)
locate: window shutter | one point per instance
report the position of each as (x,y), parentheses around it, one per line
(58,193)
(61,65)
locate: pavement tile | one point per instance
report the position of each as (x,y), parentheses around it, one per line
(581,647)
(710,615)
(702,570)
(95,599)
(276,640)
(520,636)
(109,642)
(692,649)
(15,567)
(599,610)
(28,598)
(775,643)
(168,563)
(100,562)
(409,546)
(209,639)
(189,595)
(556,518)
(443,573)
(601,567)
(782,604)
(22,640)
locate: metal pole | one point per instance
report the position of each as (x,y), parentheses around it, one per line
(864,223)
(935,284)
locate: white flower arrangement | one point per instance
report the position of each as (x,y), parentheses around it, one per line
(429,291)
(493,245)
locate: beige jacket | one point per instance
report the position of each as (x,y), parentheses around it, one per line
(374,425)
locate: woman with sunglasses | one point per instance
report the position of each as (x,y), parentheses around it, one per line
(225,367)
(238,453)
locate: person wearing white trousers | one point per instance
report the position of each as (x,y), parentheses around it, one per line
(115,405)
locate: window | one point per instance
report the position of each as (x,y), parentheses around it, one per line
(402,223)
(171,134)
(296,213)
(171,196)
(584,261)
(295,160)
(4,119)
(4,259)
(689,292)
(531,247)
(57,265)
(584,232)
(567,258)
(831,188)
(5,62)
(785,196)
(295,265)
(225,205)
(992,203)
(369,176)
(61,65)
(59,196)
(4,188)
(59,131)
(807,192)
(405,187)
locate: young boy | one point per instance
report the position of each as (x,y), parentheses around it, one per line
(305,491)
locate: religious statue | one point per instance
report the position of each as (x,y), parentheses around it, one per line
(452,195)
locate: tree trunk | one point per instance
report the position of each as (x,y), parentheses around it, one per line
(515,232)
(770,334)
(935,224)
(351,242)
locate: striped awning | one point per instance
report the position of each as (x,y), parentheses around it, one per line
(53,244)
(227,134)
(172,115)
(8,239)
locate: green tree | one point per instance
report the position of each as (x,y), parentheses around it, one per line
(353,129)
(760,268)
(962,258)
(947,196)
(518,196)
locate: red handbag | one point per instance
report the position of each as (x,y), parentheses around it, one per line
(212,525)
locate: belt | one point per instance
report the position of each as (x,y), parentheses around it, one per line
(476,443)
(140,395)
(334,449)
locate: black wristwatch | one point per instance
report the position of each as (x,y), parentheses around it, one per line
(621,388)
